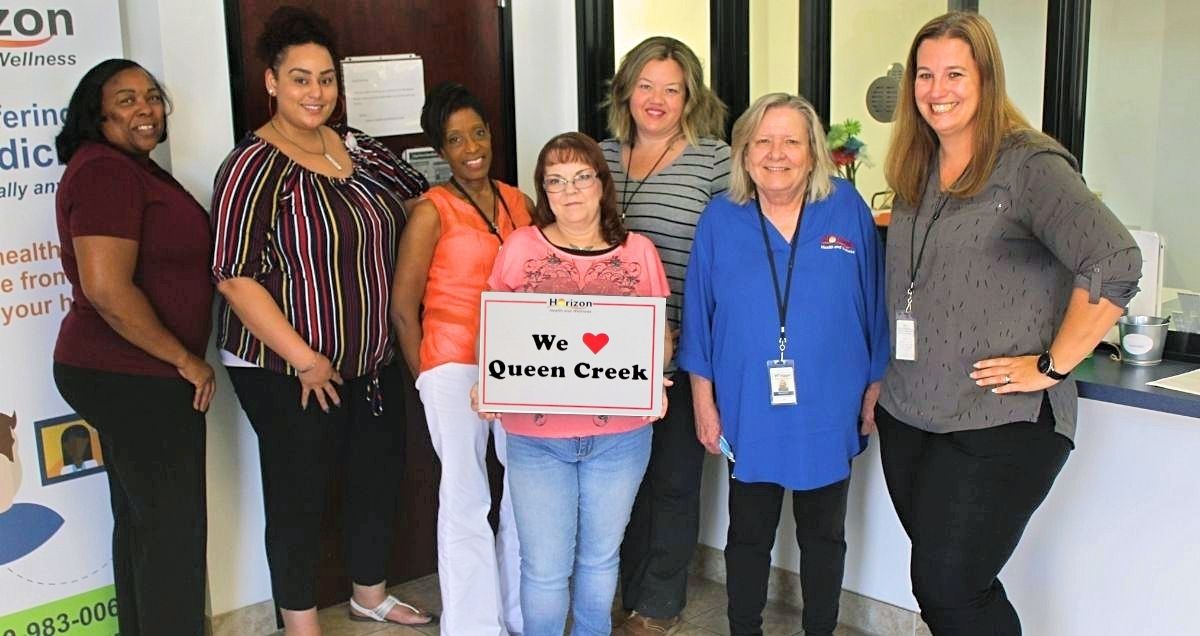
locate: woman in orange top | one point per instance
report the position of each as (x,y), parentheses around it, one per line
(446,254)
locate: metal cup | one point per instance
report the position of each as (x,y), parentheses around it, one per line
(1142,339)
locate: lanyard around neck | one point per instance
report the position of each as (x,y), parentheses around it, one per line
(626,200)
(496,197)
(782,298)
(915,255)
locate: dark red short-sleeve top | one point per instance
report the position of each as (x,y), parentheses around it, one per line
(104,192)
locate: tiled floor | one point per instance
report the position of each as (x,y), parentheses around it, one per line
(704,615)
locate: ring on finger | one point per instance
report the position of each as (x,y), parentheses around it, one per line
(1007,379)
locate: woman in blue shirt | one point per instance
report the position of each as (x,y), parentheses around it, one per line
(784,315)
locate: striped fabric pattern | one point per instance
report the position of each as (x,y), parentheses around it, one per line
(667,206)
(323,247)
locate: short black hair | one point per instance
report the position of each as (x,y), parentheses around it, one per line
(84,115)
(291,26)
(444,100)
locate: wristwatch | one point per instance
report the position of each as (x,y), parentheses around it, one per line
(1045,366)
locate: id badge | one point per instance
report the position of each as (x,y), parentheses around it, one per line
(726,449)
(906,336)
(782,375)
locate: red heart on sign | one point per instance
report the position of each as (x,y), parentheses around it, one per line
(595,341)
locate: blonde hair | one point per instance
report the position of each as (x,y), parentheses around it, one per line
(704,113)
(820,177)
(913,141)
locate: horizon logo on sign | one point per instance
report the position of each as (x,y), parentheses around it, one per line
(35,27)
(569,302)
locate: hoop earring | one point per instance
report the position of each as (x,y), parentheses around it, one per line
(271,105)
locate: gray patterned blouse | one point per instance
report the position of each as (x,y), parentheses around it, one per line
(995,279)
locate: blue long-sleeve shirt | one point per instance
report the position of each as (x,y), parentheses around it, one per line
(836,326)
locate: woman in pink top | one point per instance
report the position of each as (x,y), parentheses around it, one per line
(446,253)
(574,477)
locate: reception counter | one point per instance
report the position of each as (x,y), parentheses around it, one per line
(1115,549)
(1104,380)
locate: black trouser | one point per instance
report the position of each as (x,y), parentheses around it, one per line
(665,523)
(153,445)
(820,515)
(299,451)
(964,499)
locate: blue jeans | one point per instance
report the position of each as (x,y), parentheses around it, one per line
(571,498)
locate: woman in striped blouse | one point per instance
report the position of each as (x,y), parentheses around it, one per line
(668,161)
(306,221)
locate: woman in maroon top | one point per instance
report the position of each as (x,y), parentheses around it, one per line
(130,352)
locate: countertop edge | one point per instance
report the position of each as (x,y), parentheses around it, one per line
(1105,380)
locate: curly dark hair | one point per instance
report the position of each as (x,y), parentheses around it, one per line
(289,26)
(576,146)
(84,115)
(441,102)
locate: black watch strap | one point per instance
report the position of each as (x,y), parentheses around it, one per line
(1045,365)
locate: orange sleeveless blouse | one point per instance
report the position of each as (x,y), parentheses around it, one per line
(462,262)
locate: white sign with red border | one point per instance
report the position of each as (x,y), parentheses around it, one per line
(571,354)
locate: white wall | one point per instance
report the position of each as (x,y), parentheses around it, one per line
(866,39)
(195,67)
(139,31)
(1139,133)
(684,20)
(544,78)
(774,47)
(1178,134)
(1125,75)
(1020,26)
(195,71)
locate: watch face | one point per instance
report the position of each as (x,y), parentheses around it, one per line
(1043,363)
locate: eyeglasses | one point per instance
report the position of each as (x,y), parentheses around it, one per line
(554,185)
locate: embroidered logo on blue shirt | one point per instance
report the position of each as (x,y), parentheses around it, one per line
(835,242)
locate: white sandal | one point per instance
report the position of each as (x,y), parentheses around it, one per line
(379,613)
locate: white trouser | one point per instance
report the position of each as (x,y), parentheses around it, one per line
(479,572)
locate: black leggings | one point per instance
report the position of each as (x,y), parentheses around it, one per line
(299,451)
(665,522)
(964,499)
(153,445)
(820,515)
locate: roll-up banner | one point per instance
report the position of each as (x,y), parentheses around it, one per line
(55,523)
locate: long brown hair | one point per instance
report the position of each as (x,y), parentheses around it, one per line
(913,142)
(575,146)
(704,113)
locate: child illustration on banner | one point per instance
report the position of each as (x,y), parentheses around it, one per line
(23,526)
(77,453)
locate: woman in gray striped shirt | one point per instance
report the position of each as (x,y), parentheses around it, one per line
(668,161)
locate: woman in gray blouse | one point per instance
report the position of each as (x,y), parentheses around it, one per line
(668,161)
(1004,271)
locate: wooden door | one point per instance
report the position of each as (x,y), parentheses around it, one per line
(467,41)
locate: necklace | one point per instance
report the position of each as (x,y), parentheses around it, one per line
(495,197)
(590,246)
(323,152)
(625,201)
